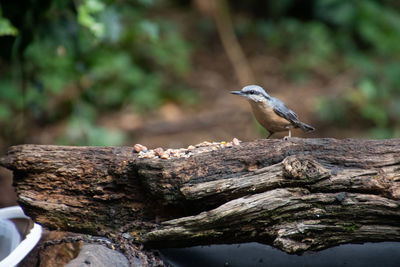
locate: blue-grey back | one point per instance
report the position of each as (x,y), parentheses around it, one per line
(282,110)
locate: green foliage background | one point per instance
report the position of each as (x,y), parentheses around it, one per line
(332,37)
(75,60)
(84,58)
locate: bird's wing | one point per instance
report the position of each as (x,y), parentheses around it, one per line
(283,111)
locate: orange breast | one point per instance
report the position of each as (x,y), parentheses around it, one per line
(267,117)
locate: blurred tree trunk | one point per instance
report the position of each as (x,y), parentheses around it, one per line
(219,10)
(297,195)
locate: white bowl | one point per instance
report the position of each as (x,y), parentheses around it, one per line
(11,245)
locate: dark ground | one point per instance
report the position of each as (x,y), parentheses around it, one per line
(385,254)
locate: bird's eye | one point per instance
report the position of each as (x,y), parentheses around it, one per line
(251,92)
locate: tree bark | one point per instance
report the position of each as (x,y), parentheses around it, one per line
(296,195)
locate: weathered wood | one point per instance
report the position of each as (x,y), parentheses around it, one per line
(297,195)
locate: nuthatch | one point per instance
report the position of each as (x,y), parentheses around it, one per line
(270,112)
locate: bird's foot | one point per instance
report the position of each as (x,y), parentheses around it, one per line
(289,136)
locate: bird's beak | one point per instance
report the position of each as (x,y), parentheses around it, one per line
(237,93)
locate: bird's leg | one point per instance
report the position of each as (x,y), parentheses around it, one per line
(290,135)
(270,133)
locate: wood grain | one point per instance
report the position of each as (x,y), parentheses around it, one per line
(297,195)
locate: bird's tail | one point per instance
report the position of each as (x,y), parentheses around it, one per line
(305,127)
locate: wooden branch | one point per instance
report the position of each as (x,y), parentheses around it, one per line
(297,195)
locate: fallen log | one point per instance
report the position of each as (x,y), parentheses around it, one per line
(296,194)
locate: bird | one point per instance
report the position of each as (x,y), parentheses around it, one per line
(270,112)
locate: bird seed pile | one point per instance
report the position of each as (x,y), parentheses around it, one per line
(182,152)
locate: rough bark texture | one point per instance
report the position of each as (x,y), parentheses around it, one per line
(297,195)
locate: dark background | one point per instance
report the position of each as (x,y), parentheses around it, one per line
(159,72)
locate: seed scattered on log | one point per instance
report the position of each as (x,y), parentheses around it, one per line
(183,152)
(235,142)
(139,147)
(158,151)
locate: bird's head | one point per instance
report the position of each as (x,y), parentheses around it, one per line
(253,92)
